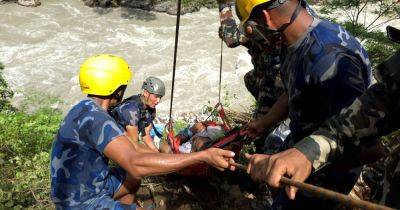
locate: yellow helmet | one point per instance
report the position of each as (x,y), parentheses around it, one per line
(102,74)
(245,7)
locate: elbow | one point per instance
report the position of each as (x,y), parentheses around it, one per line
(135,170)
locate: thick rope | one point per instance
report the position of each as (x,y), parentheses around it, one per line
(329,194)
(178,17)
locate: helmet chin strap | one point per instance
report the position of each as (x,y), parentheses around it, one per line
(292,19)
(145,99)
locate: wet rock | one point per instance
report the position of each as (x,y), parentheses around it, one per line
(29,3)
(173,10)
(163,6)
(139,4)
(102,3)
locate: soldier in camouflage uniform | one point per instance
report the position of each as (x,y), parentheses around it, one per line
(376,113)
(260,81)
(264,81)
(323,68)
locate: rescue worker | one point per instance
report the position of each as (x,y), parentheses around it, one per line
(260,81)
(376,113)
(264,81)
(136,113)
(81,177)
(323,68)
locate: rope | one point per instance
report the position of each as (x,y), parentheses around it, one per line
(220,73)
(220,81)
(178,17)
(329,194)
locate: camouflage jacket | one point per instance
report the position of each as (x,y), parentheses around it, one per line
(266,64)
(374,114)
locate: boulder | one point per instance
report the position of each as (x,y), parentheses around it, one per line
(29,3)
(101,3)
(163,6)
(139,4)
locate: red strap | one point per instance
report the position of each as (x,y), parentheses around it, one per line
(229,138)
(174,141)
(210,123)
(221,112)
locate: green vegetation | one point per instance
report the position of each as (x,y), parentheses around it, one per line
(375,42)
(197,4)
(25,142)
(5,92)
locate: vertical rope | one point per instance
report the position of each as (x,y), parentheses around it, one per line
(178,17)
(220,73)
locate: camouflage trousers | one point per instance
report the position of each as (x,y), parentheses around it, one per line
(391,186)
(264,88)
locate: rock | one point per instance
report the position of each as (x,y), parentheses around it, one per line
(89,3)
(139,4)
(173,10)
(29,3)
(101,3)
(163,6)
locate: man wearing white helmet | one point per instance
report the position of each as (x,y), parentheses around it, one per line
(136,113)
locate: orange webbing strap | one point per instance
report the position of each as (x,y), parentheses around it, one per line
(221,112)
(173,141)
(229,138)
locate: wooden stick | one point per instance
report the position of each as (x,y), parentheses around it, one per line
(322,192)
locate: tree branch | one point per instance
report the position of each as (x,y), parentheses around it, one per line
(377,17)
(382,23)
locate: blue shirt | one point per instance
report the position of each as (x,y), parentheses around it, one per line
(323,72)
(78,166)
(134,113)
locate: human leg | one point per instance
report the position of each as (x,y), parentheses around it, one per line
(121,186)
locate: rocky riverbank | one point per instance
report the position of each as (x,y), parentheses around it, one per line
(168,6)
(26,3)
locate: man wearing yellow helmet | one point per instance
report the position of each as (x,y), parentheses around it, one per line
(264,81)
(323,69)
(81,177)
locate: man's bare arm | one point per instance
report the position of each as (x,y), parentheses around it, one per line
(148,140)
(138,164)
(133,133)
(278,112)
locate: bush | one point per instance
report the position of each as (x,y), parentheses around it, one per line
(380,12)
(5,92)
(378,46)
(25,143)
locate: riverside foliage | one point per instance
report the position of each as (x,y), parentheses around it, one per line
(25,142)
